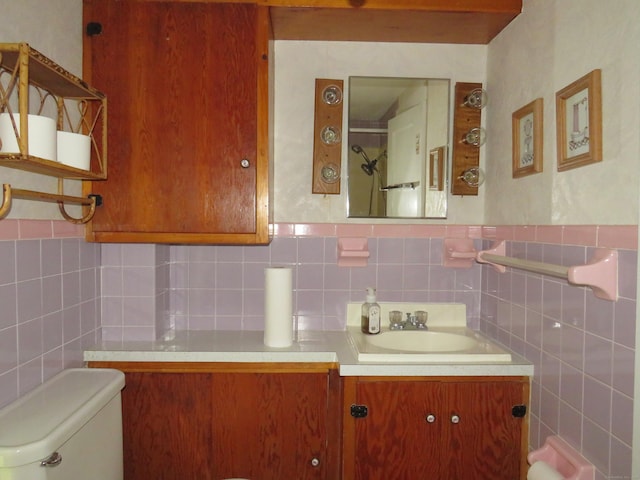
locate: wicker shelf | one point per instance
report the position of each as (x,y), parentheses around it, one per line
(26,74)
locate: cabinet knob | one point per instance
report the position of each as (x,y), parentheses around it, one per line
(315,462)
(455,419)
(244,163)
(431,418)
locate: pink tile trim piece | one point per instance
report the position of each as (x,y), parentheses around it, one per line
(283,230)
(354,230)
(474,231)
(397,231)
(618,236)
(585,235)
(549,234)
(457,231)
(428,231)
(524,233)
(64,229)
(504,232)
(36,229)
(489,232)
(9,229)
(315,229)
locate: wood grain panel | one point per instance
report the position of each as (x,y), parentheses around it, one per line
(487,438)
(280,419)
(182,83)
(395,440)
(166,426)
(388,24)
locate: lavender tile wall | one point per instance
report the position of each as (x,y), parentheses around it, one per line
(221,287)
(50,301)
(582,348)
(135,294)
(53,292)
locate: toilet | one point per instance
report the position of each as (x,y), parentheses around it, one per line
(70,428)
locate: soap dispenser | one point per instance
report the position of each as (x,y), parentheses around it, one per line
(370,320)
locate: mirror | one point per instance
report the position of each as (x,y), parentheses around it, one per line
(397,147)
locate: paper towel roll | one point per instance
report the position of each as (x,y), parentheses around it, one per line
(74,149)
(541,470)
(278,316)
(42,135)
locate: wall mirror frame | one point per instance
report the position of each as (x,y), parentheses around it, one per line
(398,147)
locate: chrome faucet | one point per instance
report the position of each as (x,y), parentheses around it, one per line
(414,321)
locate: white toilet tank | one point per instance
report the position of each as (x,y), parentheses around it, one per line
(70,428)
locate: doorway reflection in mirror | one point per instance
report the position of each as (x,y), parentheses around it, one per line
(393,125)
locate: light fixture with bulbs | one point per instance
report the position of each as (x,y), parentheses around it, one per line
(327,141)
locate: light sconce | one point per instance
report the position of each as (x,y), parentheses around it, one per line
(467,129)
(327,144)
(475,137)
(476,98)
(474,176)
(332,95)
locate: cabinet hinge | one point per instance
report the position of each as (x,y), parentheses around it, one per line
(519,411)
(359,411)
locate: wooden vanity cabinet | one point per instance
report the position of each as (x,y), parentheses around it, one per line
(438,428)
(188,89)
(213,421)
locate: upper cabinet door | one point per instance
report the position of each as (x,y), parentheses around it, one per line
(187,87)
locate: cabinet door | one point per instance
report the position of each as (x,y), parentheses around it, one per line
(485,438)
(436,430)
(396,440)
(270,426)
(183,81)
(166,426)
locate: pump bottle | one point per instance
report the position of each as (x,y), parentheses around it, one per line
(370,319)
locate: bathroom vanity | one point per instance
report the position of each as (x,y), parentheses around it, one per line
(221,404)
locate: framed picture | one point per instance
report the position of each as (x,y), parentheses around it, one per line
(436,169)
(527,139)
(579,122)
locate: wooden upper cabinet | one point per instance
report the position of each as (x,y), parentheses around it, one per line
(422,21)
(188,92)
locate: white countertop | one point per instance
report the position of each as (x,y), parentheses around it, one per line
(308,347)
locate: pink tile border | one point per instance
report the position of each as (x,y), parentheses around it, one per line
(609,236)
(622,236)
(22,229)
(35,229)
(606,236)
(585,235)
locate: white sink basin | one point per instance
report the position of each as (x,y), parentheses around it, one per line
(442,345)
(421,341)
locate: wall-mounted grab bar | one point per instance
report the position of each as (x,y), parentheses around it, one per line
(600,273)
(396,186)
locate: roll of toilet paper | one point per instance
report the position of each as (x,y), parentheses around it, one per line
(41,132)
(74,149)
(541,470)
(278,312)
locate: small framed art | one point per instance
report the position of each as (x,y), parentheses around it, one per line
(436,168)
(579,122)
(527,139)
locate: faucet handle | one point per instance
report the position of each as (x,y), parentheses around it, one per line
(395,320)
(420,319)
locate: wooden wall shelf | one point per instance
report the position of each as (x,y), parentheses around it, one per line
(420,21)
